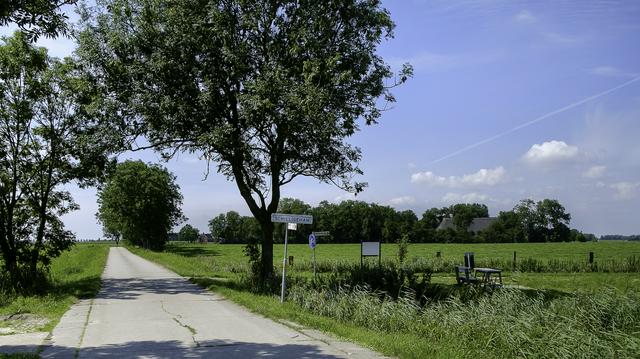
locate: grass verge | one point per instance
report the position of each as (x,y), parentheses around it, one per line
(74,275)
(397,344)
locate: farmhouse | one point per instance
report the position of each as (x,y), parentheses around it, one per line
(477,224)
(205,238)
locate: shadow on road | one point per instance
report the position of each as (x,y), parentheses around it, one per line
(132,288)
(176,349)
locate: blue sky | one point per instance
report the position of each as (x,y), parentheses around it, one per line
(510,100)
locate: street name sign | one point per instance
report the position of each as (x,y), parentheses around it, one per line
(291,218)
(321,234)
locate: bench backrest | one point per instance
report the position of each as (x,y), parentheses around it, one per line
(469,260)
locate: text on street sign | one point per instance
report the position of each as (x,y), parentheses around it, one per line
(291,218)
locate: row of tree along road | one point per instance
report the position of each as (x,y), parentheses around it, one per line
(355,221)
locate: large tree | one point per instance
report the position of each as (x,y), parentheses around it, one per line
(188,234)
(231,227)
(46,141)
(140,203)
(544,221)
(554,221)
(464,213)
(267,90)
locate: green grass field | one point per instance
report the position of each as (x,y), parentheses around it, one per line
(570,314)
(216,260)
(75,274)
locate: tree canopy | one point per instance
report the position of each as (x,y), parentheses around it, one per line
(46,140)
(188,233)
(231,227)
(141,203)
(356,221)
(267,90)
(36,17)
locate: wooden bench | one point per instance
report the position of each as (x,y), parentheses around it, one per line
(464,275)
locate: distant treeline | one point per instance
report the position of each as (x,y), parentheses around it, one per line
(618,237)
(356,221)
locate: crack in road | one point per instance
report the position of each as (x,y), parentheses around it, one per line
(175,317)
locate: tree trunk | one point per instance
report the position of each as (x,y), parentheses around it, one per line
(10,265)
(7,246)
(266,254)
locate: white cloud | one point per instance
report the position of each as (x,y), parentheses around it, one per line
(429,178)
(488,177)
(625,190)
(402,201)
(595,172)
(551,152)
(525,17)
(472,197)
(484,177)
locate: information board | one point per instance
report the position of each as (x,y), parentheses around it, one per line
(370,249)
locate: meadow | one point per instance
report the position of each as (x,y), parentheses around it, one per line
(215,260)
(561,307)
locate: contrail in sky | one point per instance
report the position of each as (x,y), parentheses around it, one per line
(543,117)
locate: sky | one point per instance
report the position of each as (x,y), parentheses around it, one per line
(510,100)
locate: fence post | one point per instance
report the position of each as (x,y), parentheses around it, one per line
(590,257)
(514,260)
(437,254)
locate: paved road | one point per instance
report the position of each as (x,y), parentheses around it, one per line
(144,310)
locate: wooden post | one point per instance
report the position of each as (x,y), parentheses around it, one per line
(290,260)
(437,254)
(590,257)
(514,260)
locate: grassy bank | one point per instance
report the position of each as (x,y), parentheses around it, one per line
(570,314)
(75,274)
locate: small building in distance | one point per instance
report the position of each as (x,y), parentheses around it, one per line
(477,224)
(205,238)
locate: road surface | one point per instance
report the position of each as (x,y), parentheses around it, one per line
(144,310)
